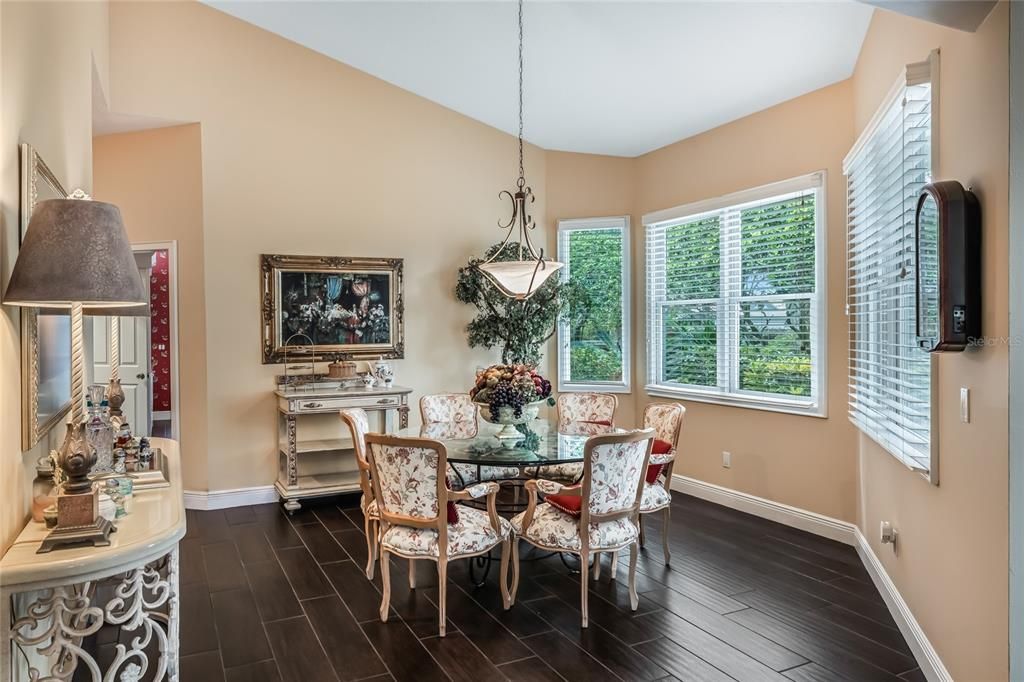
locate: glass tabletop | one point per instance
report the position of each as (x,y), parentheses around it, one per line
(542,443)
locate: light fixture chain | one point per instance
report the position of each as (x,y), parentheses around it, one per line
(522,173)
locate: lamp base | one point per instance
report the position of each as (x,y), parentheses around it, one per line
(96,534)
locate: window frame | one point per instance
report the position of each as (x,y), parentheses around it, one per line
(927,70)
(817,405)
(565,384)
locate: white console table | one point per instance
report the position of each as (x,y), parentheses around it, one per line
(48,602)
(294,403)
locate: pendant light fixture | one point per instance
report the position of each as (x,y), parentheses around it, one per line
(519,279)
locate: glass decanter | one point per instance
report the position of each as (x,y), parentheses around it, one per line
(98,430)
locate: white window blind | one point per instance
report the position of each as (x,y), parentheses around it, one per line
(593,352)
(890,397)
(734,292)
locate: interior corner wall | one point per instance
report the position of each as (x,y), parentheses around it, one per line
(807,462)
(47,52)
(156,178)
(951,567)
(593,186)
(305,155)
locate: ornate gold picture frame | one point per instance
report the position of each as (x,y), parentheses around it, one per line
(331,308)
(45,337)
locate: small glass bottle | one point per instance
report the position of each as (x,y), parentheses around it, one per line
(100,433)
(44,491)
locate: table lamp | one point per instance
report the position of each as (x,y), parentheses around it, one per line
(76,255)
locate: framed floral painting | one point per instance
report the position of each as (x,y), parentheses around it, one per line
(331,308)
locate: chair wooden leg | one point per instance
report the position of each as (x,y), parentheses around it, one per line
(442,594)
(412,574)
(584,588)
(641,530)
(515,570)
(506,550)
(634,599)
(664,532)
(597,566)
(370,528)
(615,564)
(385,576)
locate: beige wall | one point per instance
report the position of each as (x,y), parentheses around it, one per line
(303,155)
(156,178)
(952,562)
(47,52)
(807,462)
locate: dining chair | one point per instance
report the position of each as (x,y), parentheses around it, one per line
(457,412)
(358,424)
(666,419)
(419,523)
(600,515)
(574,409)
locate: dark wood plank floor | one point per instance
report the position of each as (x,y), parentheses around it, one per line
(269,597)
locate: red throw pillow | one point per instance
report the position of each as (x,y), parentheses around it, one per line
(660,447)
(453,510)
(570,504)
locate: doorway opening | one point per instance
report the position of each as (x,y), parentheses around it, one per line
(142,348)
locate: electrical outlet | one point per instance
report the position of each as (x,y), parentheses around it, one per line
(965,405)
(726,459)
(888,534)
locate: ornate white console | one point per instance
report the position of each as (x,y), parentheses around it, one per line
(49,603)
(293,404)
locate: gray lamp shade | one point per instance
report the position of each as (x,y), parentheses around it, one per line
(75,251)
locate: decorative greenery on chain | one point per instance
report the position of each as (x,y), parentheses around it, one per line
(519,328)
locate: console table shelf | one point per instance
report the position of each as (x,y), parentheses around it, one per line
(295,405)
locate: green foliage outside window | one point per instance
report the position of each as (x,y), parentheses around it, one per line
(777,243)
(595,338)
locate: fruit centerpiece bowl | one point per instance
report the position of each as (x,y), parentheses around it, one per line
(509,395)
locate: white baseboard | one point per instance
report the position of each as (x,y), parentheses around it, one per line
(819,524)
(222,499)
(924,652)
(841,531)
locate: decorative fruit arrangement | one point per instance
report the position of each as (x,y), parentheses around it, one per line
(509,386)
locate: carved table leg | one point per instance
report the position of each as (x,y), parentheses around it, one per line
(292,462)
(403,417)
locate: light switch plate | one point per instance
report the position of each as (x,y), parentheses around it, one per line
(726,459)
(965,405)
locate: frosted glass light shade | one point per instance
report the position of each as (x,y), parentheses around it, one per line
(516,278)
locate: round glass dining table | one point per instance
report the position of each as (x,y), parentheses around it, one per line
(544,442)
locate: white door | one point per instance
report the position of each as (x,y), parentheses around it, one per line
(134,366)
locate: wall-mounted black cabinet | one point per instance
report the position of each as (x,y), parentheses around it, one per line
(948,248)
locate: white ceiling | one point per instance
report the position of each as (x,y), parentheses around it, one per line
(618,78)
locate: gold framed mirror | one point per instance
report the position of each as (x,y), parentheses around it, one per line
(45,335)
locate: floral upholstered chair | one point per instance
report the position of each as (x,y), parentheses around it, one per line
(602,514)
(666,419)
(587,407)
(577,410)
(419,520)
(359,426)
(453,415)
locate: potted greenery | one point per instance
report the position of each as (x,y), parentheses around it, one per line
(519,328)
